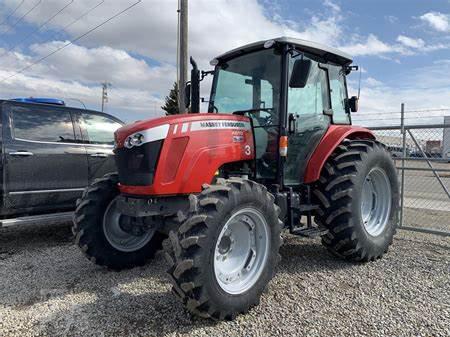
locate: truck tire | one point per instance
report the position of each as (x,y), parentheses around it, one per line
(97,229)
(358,195)
(226,249)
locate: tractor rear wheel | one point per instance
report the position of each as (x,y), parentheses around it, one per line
(106,236)
(226,249)
(358,195)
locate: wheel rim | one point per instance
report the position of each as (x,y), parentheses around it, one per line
(376,201)
(241,251)
(120,239)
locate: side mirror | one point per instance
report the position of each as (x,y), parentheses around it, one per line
(300,73)
(187,95)
(353,104)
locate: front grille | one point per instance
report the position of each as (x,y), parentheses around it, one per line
(136,166)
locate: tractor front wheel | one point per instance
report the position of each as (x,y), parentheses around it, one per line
(106,236)
(358,195)
(226,249)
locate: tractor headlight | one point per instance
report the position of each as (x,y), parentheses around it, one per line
(134,140)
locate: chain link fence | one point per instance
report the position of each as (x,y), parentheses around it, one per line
(422,155)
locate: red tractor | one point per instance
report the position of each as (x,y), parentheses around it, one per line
(276,150)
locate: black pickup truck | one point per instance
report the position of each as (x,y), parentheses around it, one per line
(49,154)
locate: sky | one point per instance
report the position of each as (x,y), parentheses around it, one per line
(402,46)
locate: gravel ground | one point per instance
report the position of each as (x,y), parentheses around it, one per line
(49,289)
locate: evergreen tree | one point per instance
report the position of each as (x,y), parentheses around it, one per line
(171,104)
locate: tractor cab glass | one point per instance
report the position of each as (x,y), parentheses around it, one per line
(250,85)
(307,114)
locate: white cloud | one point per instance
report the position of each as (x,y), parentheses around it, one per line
(437,21)
(148,30)
(372,82)
(406,46)
(335,7)
(410,42)
(372,46)
(215,26)
(77,73)
(391,19)
(91,65)
(419,88)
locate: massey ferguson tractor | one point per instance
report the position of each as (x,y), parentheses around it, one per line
(275,151)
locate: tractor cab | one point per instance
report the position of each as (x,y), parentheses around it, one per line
(288,87)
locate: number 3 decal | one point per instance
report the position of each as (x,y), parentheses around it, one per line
(247,150)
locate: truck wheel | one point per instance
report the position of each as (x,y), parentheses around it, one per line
(358,195)
(226,249)
(107,237)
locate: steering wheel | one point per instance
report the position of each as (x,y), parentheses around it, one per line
(263,121)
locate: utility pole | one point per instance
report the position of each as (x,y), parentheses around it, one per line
(182,53)
(105,86)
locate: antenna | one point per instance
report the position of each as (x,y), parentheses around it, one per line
(359,84)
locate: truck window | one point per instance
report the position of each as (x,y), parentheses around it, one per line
(100,129)
(42,124)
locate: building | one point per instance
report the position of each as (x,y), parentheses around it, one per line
(446,141)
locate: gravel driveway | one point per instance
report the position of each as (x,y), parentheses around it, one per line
(49,289)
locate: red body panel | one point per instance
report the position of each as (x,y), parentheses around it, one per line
(196,146)
(334,136)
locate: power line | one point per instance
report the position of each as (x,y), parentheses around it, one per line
(71,42)
(81,16)
(12,13)
(63,29)
(22,17)
(42,25)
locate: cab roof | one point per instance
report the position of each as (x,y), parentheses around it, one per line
(328,53)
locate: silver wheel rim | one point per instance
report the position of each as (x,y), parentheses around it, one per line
(117,237)
(241,251)
(376,201)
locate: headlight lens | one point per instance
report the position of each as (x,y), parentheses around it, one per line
(134,140)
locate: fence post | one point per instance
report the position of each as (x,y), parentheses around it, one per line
(402,186)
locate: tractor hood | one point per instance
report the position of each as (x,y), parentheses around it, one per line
(146,131)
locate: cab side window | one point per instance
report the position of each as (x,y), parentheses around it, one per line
(42,124)
(338,95)
(100,129)
(312,99)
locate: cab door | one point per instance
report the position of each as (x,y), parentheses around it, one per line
(98,131)
(308,120)
(45,166)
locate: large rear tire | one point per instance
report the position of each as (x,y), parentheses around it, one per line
(100,231)
(358,195)
(226,249)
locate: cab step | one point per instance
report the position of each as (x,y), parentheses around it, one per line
(309,232)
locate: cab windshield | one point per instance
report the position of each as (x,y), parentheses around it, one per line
(248,84)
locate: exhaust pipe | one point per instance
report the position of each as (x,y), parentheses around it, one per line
(195,87)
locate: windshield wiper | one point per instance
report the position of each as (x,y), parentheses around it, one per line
(243,112)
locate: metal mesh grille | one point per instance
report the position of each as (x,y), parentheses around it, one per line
(136,166)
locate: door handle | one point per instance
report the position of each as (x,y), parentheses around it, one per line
(291,123)
(21,154)
(99,155)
